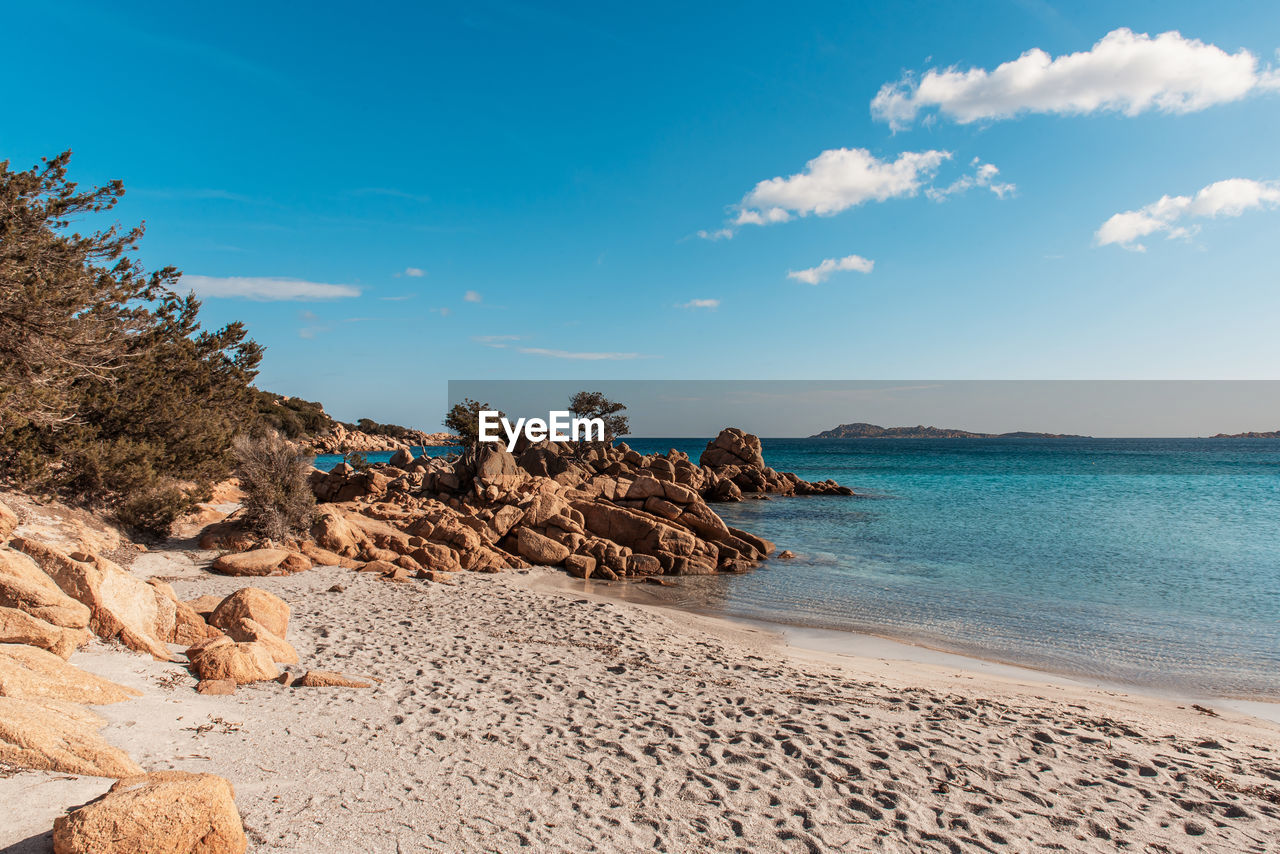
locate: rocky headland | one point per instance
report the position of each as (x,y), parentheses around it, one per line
(342,440)
(861,430)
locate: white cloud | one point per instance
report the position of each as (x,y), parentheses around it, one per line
(823,271)
(472,296)
(984,175)
(1124,72)
(567,354)
(718,234)
(412,272)
(499,341)
(836,180)
(266,289)
(1232,197)
(700,303)
(443,312)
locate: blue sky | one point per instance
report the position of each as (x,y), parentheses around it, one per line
(548,170)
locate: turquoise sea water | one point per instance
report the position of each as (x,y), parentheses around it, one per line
(1154,562)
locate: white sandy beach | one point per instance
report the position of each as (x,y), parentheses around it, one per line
(514,715)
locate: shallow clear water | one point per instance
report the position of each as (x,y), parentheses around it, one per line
(1150,561)
(1147,561)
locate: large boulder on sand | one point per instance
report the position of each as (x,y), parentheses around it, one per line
(540,550)
(50,735)
(328,679)
(121,605)
(29,673)
(166,812)
(251,631)
(20,627)
(250,603)
(26,587)
(223,658)
(253,563)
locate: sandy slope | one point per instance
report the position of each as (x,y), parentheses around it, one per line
(510,716)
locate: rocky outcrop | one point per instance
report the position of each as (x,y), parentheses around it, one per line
(166,812)
(734,462)
(50,735)
(8,522)
(17,626)
(121,606)
(344,441)
(24,586)
(29,673)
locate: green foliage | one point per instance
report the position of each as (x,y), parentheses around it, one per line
(292,417)
(463,420)
(357,460)
(593,404)
(151,512)
(275,476)
(112,393)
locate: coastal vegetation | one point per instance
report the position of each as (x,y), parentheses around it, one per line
(111,392)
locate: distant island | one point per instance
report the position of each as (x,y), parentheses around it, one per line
(1270,434)
(875,431)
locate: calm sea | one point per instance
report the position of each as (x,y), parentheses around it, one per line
(1149,561)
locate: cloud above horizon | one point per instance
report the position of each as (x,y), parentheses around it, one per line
(1229,198)
(265,288)
(472,296)
(700,303)
(824,271)
(412,272)
(837,180)
(1123,72)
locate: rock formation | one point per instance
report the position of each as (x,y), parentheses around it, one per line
(166,812)
(599,511)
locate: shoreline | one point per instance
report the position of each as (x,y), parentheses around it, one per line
(869,646)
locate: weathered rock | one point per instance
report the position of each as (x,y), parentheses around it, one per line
(786,554)
(8,521)
(206,604)
(580,566)
(178,621)
(733,447)
(51,735)
(251,631)
(166,812)
(295,563)
(402,458)
(30,673)
(26,587)
(121,606)
(540,550)
(435,576)
(256,562)
(216,686)
(223,658)
(328,679)
(228,534)
(20,627)
(641,564)
(324,557)
(250,603)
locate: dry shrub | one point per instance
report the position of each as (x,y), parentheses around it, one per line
(275,475)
